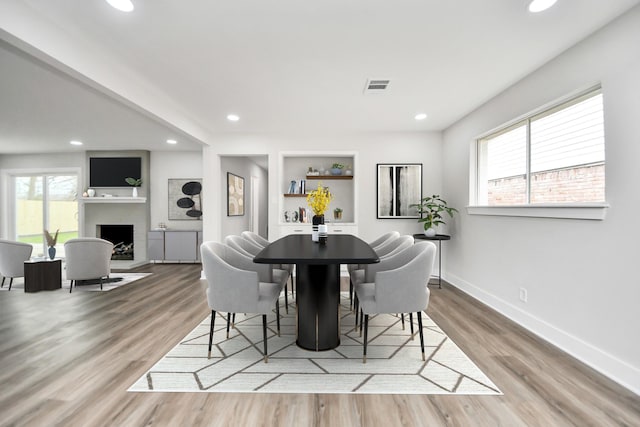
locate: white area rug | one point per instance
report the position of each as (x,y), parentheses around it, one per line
(394,363)
(116,280)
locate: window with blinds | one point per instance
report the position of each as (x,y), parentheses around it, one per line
(556,156)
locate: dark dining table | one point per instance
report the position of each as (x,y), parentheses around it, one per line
(317,282)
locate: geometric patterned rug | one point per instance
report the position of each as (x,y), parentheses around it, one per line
(394,363)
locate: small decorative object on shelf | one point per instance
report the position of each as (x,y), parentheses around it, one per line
(91,192)
(336,169)
(337,213)
(135,183)
(51,242)
(430,210)
(318,200)
(348,171)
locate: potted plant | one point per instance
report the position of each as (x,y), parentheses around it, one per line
(336,169)
(135,183)
(431,210)
(337,213)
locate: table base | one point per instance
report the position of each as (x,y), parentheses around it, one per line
(318,300)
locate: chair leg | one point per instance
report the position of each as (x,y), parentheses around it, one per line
(419,313)
(264,337)
(10,282)
(366,329)
(402,317)
(213,320)
(278,316)
(233,321)
(411,323)
(228,323)
(286,300)
(71,286)
(350,294)
(2,286)
(361,322)
(101,283)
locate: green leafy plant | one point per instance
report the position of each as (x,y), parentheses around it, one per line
(337,166)
(431,210)
(134,182)
(338,210)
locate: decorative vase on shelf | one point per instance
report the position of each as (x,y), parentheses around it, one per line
(52,252)
(430,232)
(316,221)
(336,171)
(135,192)
(91,192)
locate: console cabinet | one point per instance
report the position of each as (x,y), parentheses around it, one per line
(174,245)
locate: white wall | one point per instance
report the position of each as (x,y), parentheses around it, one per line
(372,149)
(167,165)
(583,290)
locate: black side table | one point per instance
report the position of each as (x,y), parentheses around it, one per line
(44,275)
(439,238)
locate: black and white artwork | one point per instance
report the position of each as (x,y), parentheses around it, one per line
(399,186)
(185,199)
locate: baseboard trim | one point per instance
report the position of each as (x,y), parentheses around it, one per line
(608,365)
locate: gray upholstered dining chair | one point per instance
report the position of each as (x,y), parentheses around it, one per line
(375,244)
(386,249)
(263,243)
(250,249)
(400,288)
(12,257)
(238,285)
(87,258)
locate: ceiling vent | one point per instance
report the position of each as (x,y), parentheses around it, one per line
(376,86)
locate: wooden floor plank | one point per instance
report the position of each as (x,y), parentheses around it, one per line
(68,359)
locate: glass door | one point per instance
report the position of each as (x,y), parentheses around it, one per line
(46,202)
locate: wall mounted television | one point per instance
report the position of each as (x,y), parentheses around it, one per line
(112,171)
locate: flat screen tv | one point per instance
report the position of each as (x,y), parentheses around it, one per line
(112,171)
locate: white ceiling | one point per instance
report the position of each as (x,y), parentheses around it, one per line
(281,65)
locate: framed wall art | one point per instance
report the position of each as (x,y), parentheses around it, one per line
(185,199)
(235,195)
(399,186)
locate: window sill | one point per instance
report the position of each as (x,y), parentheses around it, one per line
(590,211)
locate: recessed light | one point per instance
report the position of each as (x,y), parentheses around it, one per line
(172,141)
(75,142)
(540,5)
(122,5)
(421,116)
(233,117)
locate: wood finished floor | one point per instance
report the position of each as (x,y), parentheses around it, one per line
(68,359)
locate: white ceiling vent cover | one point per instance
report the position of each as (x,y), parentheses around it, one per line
(376,86)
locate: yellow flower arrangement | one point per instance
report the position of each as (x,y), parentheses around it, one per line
(319,199)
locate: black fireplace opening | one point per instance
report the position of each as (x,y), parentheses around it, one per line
(122,238)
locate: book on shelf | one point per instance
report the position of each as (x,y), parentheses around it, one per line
(298,187)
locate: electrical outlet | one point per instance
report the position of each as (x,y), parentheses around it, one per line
(523,295)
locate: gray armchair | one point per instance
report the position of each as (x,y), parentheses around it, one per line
(250,249)
(12,258)
(238,285)
(375,244)
(87,258)
(392,245)
(400,288)
(260,241)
